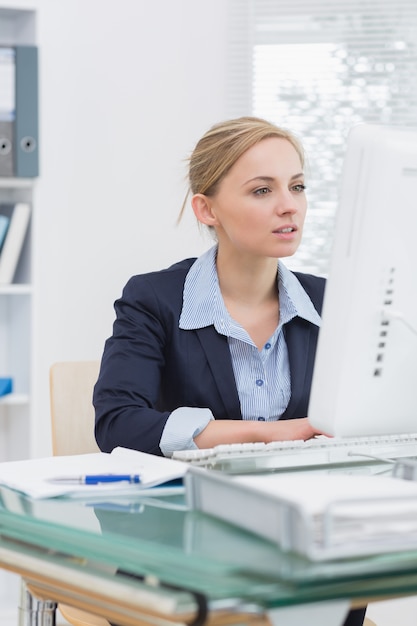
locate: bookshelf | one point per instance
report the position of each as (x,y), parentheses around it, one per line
(17,27)
(16,314)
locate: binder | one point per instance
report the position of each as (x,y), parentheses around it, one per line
(26,120)
(4,225)
(19,216)
(318,516)
(7,110)
(6,386)
(19,149)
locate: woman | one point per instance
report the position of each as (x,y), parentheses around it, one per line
(221,349)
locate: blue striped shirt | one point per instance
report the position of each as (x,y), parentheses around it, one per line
(262,377)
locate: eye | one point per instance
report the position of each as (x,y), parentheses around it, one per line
(300,188)
(262,191)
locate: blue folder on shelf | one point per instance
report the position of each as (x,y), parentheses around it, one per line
(6,386)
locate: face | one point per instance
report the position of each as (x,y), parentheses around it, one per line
(260,205)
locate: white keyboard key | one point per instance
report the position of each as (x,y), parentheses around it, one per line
(285,445)
(193,455)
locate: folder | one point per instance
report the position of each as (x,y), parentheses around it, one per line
(36,477)
(26,121)
(19,216)
(7,109)
(318,516)
(19,150)
(6,386)
(4,225)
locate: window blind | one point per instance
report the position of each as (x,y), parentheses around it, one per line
(319,68)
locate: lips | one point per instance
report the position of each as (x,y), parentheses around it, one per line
(286,230)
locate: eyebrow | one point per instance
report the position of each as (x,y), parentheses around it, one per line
(269,179)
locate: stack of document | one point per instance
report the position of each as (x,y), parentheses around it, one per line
(122,472)
(320,516)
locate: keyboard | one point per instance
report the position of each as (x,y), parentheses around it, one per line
(316,452)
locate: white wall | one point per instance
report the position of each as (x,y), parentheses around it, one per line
(126,88)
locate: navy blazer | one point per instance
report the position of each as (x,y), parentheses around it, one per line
(151,367)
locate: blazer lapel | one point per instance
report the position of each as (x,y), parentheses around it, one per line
(297,336)
(218,356)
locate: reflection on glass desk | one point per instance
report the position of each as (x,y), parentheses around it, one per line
(58,544)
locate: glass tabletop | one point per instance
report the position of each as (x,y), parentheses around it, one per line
(157,536)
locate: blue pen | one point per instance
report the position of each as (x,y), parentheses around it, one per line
(96,479)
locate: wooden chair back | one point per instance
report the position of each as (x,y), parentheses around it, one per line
(72,412)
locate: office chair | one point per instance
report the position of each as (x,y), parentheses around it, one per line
(72,421)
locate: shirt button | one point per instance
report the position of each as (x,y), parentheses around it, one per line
(259,382)
(261,419)
(267,346)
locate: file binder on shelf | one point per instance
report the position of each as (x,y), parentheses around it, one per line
(319,516)
(19,216)
(6,386)
(19,151)
(4,225)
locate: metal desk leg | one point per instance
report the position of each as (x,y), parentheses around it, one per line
(35,612)
(330,613)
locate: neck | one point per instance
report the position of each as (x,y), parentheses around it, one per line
(249,281)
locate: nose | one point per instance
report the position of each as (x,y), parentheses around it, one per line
(285,203)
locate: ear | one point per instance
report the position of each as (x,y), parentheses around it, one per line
(203,210)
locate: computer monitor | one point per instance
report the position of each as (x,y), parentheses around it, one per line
(365,374)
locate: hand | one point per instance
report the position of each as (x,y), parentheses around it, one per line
(289,430)
(245,431)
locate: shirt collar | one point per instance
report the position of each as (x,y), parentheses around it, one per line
(203,303)
(293,298)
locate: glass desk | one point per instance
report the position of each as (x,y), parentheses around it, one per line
(187,566)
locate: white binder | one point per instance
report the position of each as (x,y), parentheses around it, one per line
(320,516)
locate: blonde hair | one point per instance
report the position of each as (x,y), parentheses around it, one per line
(222,145)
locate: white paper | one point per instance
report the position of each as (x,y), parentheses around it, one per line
(314,493)
(33,476)
(349,512)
